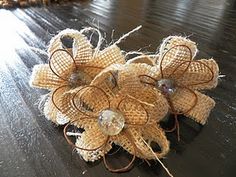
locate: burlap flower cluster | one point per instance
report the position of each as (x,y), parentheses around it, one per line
(119,102)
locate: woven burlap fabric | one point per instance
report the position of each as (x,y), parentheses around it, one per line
(142,59)
(81,47)
(72,69)
(93,138)
(199,72)
(141,106)
(177,43)
(136,141)
(43,77)
(184,99)
(174,62)
(126,99)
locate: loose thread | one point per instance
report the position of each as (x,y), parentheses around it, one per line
(142,102)
(100,38)
(127,34)
(166,169)
(42,101)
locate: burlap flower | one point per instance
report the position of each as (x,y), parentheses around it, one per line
(110,111)
(180,78)
(70,67)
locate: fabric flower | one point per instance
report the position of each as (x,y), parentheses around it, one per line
(71,64)
(110,111)
(180,78)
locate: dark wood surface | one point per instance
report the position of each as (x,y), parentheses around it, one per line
(31,146)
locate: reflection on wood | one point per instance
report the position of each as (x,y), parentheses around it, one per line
(31,146)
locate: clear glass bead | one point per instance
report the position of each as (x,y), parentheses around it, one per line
(79,78)
(74,78)
(166,86)
(111,121)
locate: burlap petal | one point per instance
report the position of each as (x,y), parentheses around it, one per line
(184,101)
(93,138)
(108,56)
(82,49)
(135,112)
(175,62)
(136,74)
(62,64)
(142,59)
(52,106)
(155,134)
(173,41)
(76,117)
(133,141)
(107,79)
(43,77)
(143,109)
(174,56)
(50,111)
(201,74)
(86,101)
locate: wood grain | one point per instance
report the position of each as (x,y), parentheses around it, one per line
(32,146)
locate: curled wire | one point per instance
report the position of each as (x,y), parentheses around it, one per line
(50,62)
(53,96)
(162,59)
(168,97)
(88,86)
(129,165)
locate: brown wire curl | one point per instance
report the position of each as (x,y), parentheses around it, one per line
(64,79)
(129,165)
(163,57)
(87,86)
(53,95)
(50,62)
(173,111)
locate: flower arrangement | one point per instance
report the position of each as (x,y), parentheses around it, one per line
(121,102)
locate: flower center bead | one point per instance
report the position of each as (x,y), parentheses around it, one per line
(111,121)
(74,78)
(166,86)
(79,78)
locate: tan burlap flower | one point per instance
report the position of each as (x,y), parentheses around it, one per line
(111,110)
(179,78)
(71,65)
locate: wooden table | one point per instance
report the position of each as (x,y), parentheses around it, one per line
(31,146)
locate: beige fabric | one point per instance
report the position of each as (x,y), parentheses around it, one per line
(43,77)
(107,82)
(91,139)
(132,140)
(175,62)
(184,99)
(142,59)
(142,107)
(201,74)
(72,69)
